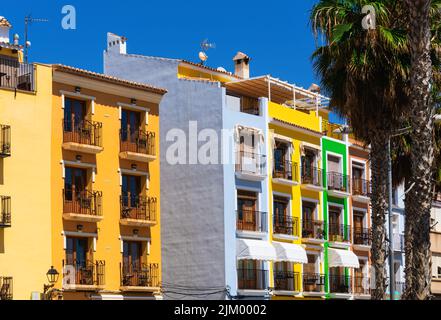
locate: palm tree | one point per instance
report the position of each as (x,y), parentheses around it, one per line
(422,153)
(365,73)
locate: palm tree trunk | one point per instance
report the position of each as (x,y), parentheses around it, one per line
(379,202)
(422,153)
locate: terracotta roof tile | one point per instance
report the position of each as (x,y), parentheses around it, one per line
(100,76)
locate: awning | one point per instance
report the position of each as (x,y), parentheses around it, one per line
(342,258)
(288,252)
(255,250)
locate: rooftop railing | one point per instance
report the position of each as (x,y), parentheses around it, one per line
(16,75)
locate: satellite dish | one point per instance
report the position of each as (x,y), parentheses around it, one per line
(28,44)
(203,56)
(221,69)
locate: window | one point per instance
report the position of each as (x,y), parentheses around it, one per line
(131,190)
(132,254)
(78,251)
(130,125)
(247,216)
(334,164)
(282,161)
(281,210)
(75,183)
(74,114)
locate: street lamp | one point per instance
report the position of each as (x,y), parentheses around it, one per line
(52,276)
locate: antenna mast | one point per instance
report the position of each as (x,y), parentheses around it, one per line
(28,20)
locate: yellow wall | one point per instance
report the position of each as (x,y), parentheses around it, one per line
(25,248)
(307,119)
(107,181)
(187,72)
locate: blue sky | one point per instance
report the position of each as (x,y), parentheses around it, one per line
(276,34)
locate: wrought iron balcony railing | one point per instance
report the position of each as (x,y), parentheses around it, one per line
(140,275)
(361,187)
(362,236)
(5,213)
(339,232)
(285,170)
(252,279)
(311,175)
(138,207)
(286,281)
(337,181)
(313,229)
(16,75)
(5,141)
(83,202)
(138,141)
(250,220)
(340,284)
(84,273)
(84,132)
(250,163)
(6,289)
(313,282)
(286,225)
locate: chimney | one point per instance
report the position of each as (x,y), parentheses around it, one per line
(5,27)
(314,88)
(116,44)
(242,65)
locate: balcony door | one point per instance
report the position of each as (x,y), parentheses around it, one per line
(132,255)
(75,189)
(310,174)
(130,125)
(335,178)
(312,281)
(74,114)
(247,218)
(282,165)
(360,234)
(131,190)
(250,275)
(281,215)
(310,227)
(78,251)
(335,228)
(357,178)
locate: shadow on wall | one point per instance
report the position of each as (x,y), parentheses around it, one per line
(2,241)
(2,171)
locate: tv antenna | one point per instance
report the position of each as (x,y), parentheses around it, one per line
(205,46)
(29,20)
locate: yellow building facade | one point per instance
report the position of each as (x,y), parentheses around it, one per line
(79,183)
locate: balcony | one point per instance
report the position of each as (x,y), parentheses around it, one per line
(312,178)
(339,232)
(5,213)
(313,231)
(84,275)
(286,282)
(362,287)
(140,277)
(361,190)
(338,185)
(85,136)
(340,285)
(286,227)
(82,205)
(138,210)
(285,172)
(6,288)
(250,166)
(16,76)
(362,237)
(251,223)
(252,279)
(313,284)
(5,141)
(137,146)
